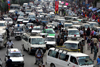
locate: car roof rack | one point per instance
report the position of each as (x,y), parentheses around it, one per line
(63,48)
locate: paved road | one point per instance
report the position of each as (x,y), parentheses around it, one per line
(29,59)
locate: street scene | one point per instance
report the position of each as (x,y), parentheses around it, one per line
(50,33)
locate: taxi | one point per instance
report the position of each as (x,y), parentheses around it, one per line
(49,32)
(16,56)
(73,32)
(37,29)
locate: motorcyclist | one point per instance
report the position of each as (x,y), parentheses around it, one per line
(10,44)
(39,54)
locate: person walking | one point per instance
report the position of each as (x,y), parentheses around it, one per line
(88,43)
(95,51)
(92,46)
(57,41)
(9,62)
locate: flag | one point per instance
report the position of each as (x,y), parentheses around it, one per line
(56,5)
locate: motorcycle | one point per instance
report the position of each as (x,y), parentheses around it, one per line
(39,61)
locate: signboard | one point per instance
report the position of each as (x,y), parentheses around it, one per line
(98,5)
(56,6)
(8,1)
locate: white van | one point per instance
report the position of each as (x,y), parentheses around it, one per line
(3,38)
(32,43)
(60,58)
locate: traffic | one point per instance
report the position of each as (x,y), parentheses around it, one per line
(39,34)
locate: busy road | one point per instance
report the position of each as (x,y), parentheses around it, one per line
(52,30)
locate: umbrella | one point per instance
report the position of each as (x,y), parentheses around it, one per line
(62,2)
(66,4)
(98,10)
(93,9)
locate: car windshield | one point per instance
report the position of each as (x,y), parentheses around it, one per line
(86,60)
(50,39)
(38,41)
(8,20)
(2,24)
(67,25)
(75,22)
(93,24)
(50,32)
(86,26)
(18,29)
(71,45)
(73,32)
(25,19)
(15,55)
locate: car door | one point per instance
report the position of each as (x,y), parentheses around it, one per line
(73,62)
(63,60)
(25,41)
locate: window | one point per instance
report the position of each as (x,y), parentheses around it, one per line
(63,57)
(29,40)
(25,38)
(53,53)
(73,60)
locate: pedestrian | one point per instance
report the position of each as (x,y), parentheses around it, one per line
(9,62)
(95,51)
(56,34)
(7,30)
(88,31)
(61,42)
(57,41)
(95,40)
(81,46)
(88,42)
(92,46)
(98,60)
(81,33)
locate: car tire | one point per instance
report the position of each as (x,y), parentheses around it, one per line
(23,47)
(29,52)
(52,65)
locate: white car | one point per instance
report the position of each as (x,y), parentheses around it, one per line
(72,32)
(50,41)
(16,56)
(3,25)
(37,29)
(9,21)
(25,20)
